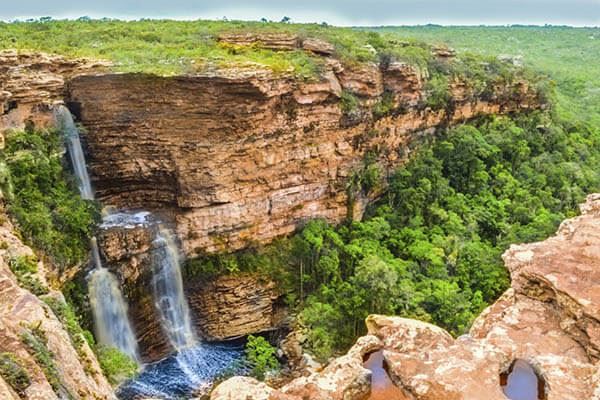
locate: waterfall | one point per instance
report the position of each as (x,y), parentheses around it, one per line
(109,308)
(71,133)
(168,291)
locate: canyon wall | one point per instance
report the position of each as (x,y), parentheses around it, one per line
(241,155)
(550,318)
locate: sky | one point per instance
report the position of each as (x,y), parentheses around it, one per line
(335,12)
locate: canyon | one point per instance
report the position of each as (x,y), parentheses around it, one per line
(235,157)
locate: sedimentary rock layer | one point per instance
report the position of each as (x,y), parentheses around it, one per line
(242,155)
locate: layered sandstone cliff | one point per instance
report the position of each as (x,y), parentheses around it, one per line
(242,155)
(548,318)
(31,82)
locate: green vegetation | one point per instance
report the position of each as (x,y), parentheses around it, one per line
(260,354)
(37,344)
(179,47)
(25,269)
(430,249)
(570,56)
(117,366)
(64,312)
(43,199)
(14,374)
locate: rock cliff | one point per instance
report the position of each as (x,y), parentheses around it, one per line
(548,318)
(31,82)
(57,363)
(243,155)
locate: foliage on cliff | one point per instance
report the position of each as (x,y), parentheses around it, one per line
(571,56)
(180,47)
(42,196)
(430,249)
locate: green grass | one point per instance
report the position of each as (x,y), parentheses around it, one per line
(181,47)
(173,47)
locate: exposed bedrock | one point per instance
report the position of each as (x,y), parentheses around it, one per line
(549,319)
(31,82)
(241,156)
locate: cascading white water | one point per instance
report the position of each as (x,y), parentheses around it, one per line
(71,133)
(110,309)
(108,304)
(168,291)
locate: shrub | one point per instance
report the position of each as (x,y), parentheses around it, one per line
(13,373)
(261,356)
(384,106)
(349,103)
(117,366)
(438,92)
(34,338)
(44,200)
(25,269)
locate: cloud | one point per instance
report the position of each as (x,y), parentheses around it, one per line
(341,12)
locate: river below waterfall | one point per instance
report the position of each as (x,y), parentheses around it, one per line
(188,373)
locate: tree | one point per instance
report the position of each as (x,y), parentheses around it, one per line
(261,356)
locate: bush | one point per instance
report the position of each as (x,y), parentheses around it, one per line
(117,366)
(13,373)
(34,338)
(44,199)
(349,103)
(438,92)
(25,269)
(261,356)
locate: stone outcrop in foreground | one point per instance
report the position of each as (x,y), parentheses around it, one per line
(550,317)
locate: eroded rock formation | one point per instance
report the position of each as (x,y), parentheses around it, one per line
(31,82)
(21,311)
(549,318)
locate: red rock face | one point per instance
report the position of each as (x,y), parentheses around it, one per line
(242,156)
(31,82)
